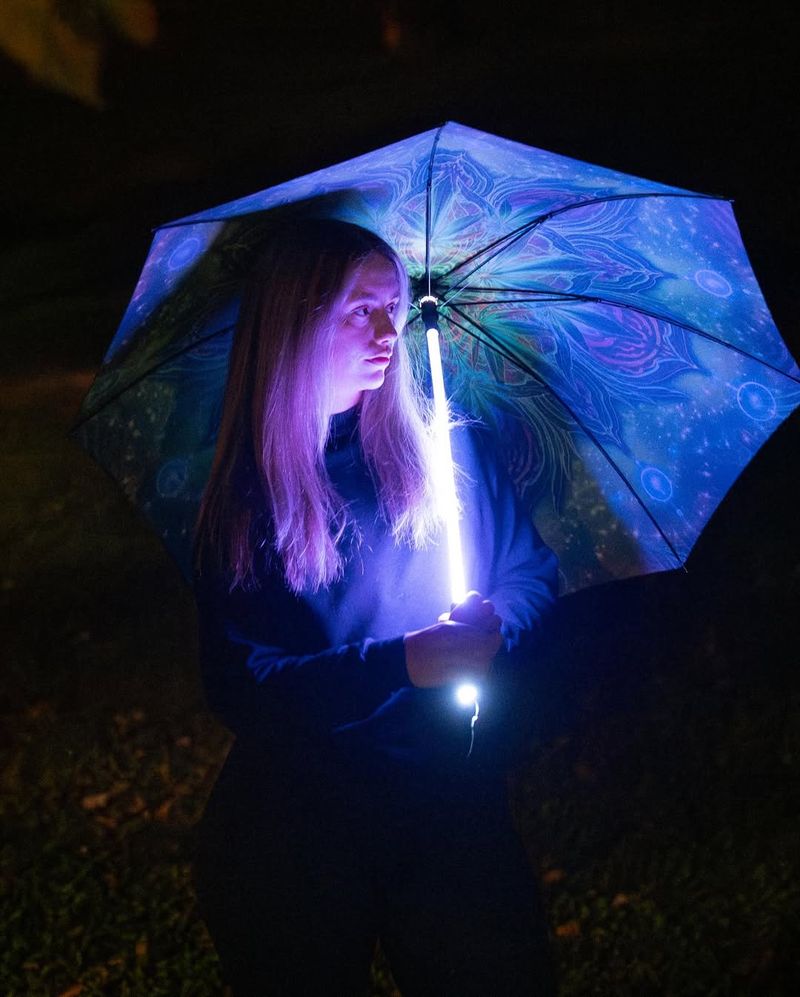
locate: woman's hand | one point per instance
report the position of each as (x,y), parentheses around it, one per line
(459,647)
(476,611)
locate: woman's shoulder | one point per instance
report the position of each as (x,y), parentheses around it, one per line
(473,443)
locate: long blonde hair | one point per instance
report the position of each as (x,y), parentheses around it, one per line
(268,486)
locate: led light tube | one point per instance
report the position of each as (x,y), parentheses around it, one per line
(444,472)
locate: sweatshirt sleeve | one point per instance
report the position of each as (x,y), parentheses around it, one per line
(267,674)
(519,571)
(520,575)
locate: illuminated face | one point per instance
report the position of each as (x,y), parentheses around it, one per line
(365,335)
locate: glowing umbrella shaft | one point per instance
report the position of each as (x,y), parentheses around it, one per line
(445,474)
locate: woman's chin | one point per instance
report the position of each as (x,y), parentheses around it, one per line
(376,380)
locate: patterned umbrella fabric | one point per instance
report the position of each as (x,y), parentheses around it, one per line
(607,328)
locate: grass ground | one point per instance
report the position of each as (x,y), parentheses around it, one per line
(663,819)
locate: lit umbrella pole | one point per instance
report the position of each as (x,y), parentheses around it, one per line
(466,692)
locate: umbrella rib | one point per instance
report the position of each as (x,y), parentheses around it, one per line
(498,347)
(501,244)
(609,303)
(428,200)
(538,298)
(190,221)
(127,387)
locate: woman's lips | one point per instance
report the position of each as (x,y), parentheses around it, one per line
(378,360)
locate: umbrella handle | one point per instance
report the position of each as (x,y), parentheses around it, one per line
(466,693)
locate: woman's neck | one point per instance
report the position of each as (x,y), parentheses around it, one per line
(343,425)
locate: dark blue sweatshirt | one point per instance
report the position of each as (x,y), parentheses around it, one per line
(326,671)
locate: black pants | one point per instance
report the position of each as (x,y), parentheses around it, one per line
(298,874)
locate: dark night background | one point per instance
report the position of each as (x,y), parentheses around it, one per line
(215,101)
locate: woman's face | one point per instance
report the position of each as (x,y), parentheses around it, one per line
(365,335)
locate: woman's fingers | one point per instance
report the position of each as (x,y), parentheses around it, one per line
(493,622)
(476,611)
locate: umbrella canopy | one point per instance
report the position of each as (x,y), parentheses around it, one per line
(609,329)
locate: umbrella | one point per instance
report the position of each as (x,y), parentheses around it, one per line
(609,329)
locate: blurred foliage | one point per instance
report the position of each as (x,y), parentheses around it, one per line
(97,893)
(61,43)
(663,822)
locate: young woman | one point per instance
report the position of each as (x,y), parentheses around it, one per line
(348,809)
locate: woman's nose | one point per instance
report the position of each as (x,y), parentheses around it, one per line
(385,331)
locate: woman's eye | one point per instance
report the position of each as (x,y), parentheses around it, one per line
(392,308)
(362,311)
